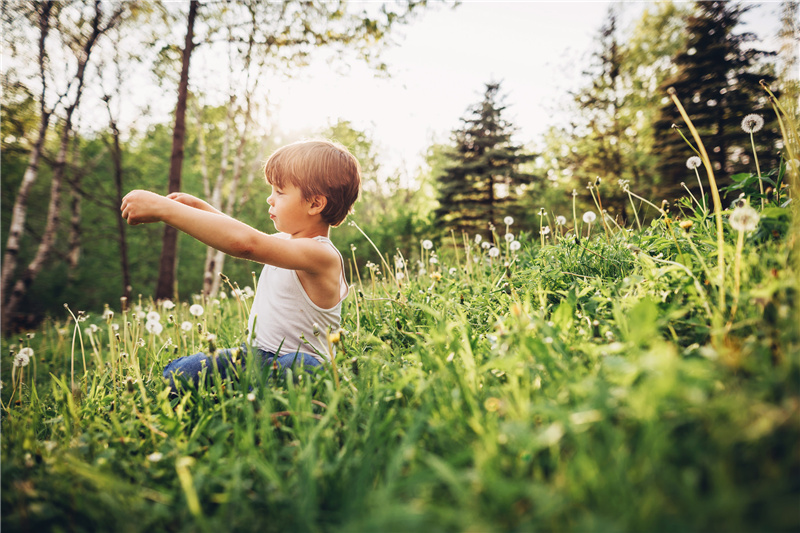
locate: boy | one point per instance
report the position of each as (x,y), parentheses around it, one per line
(302,285)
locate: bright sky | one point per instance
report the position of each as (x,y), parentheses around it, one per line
(442,61)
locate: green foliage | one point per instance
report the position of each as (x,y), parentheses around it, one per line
(588,383)
(483,180)
(717,80)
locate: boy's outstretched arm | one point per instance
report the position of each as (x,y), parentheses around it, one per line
(227,234)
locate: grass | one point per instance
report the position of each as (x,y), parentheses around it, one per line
(612,383)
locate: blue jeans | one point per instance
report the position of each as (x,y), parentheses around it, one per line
(230,362)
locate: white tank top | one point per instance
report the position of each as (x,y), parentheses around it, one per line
(283,315)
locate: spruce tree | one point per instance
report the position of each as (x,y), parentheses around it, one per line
(717,80)
(481,183)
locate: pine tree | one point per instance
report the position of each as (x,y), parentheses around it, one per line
(717,81)
(481,183)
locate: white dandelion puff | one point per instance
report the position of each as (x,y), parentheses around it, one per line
(153,316)
(427,244)
(515,246)
(508,221)
(693,162)
(196,309)
(494,252)
(22,358)
(752,123)
(561,220)
(153,327)
(744,218)
(589,217)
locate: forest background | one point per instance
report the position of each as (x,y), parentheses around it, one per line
(68,68)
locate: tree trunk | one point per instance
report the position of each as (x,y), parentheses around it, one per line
(165,287)
(20,210)
(116,157)
(48,237)
(75,205)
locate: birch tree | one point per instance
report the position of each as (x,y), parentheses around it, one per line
(82,27)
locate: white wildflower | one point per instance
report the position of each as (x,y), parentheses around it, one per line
(168,304)
(752,123)
(22,358)
(561,220)
(509,237)
(196,309)
(515,246)
(508,221)
(153,316)
(153,327)
(478,238)
(744,218)
(693,162)
(186,326)
(427,244)
(589,217)
(494,252)
(545,230)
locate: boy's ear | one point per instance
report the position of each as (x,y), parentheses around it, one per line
(317,205)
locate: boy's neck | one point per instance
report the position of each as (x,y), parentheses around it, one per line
(316,230)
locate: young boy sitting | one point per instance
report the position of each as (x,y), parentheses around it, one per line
(302,285)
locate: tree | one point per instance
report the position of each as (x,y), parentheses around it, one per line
(80,40)
(482,181)
(611,134)
(717,80)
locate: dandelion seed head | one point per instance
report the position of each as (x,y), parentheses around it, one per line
(427,244)
(752,123)
(589,217)
(693,162)
(509,237)
(168,304)
(508,221)
(561,220)
(186,326)
(744,218)
(515,246)
(494,252)
(545,230)
(153,316)
(196,309)
(478,238)
(23,357)
(153,327)
(486,245)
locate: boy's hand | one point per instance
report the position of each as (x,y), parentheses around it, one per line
(142,207)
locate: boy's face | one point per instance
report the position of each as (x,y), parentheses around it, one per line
(288,209)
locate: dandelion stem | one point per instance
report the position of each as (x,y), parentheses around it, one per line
(633,206)
(758,169)
(714,196)
(702,193)
(736,272)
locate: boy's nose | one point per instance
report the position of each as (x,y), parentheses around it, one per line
(269,199)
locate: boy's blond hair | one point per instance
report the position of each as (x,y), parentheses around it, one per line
(318,168)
